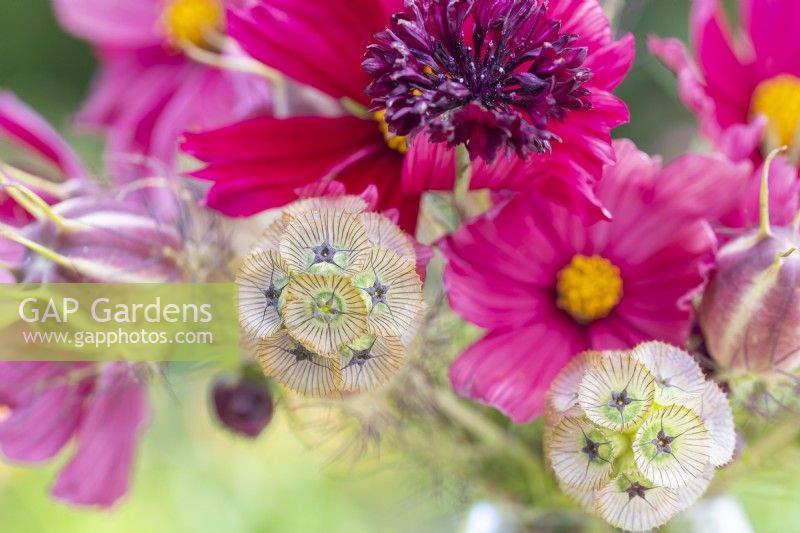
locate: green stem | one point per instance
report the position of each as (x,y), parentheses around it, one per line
(755,455)
(493,437)
(765,230)
(462,182)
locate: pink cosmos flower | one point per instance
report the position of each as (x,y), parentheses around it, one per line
(147,91)
(741,74)
(546,287)
(104,409)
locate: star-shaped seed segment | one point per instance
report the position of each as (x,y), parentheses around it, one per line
(270,240)
(393,290)
(633,503)
(384,233)
(562,397)
(325,242)
(370,362)
(262,280)
(713,408)
(324,313)
(580,453)
(672,447)
(297,367)
(616,391)
(678,377)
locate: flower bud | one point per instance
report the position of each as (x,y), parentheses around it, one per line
(750,312)
(635,436)
(244,404)
(102,239)
(332,296)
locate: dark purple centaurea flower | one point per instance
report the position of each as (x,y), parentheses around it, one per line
(490,74)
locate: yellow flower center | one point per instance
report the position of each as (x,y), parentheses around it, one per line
(191,21)
(5,412)
(398,143)
(779,100)
(589,288)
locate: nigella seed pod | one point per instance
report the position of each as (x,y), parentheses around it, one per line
(332,296)
(635,436)
(750,312)
(243,404)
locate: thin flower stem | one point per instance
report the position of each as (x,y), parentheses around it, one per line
(56,190)
(755,455)
(764,229)
(462,182)
(492,436)
(10,234)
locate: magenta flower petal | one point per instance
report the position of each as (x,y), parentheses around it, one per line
(98,474)
(45,409)
(429,166)
(320,44)
(118,23)
(768,23)
(499,370)
(257,164)
(22,125)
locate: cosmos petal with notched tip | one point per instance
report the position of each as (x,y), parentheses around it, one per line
(384,233)
(344,233)
(657,506)
(383,359)
(285,360)
(260,272)
(347,323)
(687,454)
(677,374)
(571,464)
(403,296)
(616,372)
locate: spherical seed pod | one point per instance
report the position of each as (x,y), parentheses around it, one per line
(750,312)
(635,436)
(243,404)
(332,296)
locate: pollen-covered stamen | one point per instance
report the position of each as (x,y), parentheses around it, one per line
(778,99)
(191,22)
(398,143)
(588,288)
(498,88)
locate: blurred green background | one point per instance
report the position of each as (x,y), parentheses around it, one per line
(190,476)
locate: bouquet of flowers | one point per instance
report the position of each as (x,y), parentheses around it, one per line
(436,244)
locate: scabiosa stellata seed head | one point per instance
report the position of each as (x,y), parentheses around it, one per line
(490,74)
(750,312)
(635,436)
(243,404)
(331,295)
